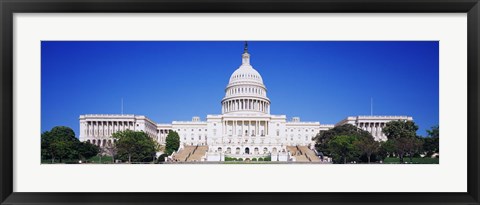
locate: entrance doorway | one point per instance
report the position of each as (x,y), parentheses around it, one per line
(247,150)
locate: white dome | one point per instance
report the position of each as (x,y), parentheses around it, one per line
(245,92)
(245,73)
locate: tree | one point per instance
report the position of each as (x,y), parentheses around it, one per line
(111,150)
(323,138)
(434,132)
(341,147)
(59,143)
(367,146)
(402,133)
(399,129)
(413,145)
(431,142)
(87,150)
(134,146)
(386,148)
(172,142)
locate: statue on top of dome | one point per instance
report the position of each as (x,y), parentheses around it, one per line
(245,50)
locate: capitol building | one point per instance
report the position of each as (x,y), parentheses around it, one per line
(245,128)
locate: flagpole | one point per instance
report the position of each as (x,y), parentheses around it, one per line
(371,106)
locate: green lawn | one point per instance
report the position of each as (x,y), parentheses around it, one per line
(243,162)
(96,160)
(426,160)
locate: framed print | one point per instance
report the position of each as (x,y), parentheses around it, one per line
(239,102)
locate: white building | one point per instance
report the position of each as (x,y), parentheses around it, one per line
(245,129)
(373,124)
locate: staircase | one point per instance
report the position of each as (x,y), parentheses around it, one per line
(303,154)
(197,154)
(310,154)
(183,154)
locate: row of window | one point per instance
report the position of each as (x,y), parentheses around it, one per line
(245,90)
(192,130)
(246,75)
(193,138)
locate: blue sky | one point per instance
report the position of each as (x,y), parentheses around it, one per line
(323,81)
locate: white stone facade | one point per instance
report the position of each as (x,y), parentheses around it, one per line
(245,127)
(373,124)
(98,128)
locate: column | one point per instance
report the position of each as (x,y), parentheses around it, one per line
(87,126)
(94,128)
(100,130)
(374,129)
(268,127)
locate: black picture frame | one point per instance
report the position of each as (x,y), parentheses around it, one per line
(10,7)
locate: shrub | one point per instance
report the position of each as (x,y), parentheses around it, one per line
(161,158)
(254,159)
(260,159)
